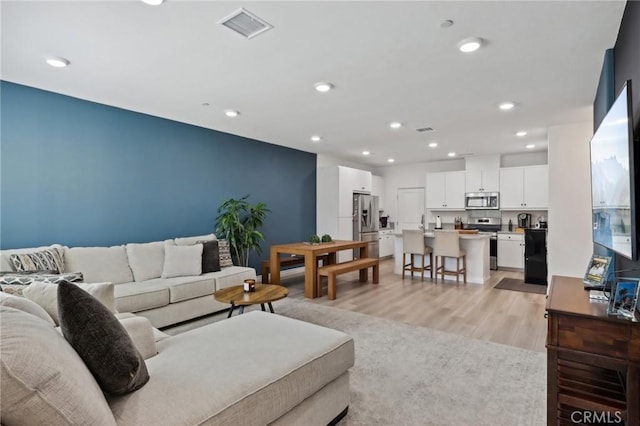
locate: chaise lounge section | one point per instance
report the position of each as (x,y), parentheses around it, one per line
(252,369)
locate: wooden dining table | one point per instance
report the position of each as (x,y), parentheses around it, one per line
(311,253)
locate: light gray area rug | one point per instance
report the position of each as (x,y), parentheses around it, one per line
(409,375)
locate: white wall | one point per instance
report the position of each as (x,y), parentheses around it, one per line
(410,176)
(323,160)
(526,159)
(569,244)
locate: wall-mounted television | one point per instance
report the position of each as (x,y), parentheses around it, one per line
(613,179)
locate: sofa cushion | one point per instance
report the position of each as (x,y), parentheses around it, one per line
(210,256)
(99,264)
(233,275)
(241,388)
(134,297)
(5,263)
(188,241)
(25,305)
(46,295)
(180,261)
(101,341)
(224,250)
(146,260)
(50,259)
(185,288)
(44,381)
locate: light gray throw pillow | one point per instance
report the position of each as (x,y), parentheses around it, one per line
(182,261)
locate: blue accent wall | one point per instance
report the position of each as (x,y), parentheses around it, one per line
(81,173)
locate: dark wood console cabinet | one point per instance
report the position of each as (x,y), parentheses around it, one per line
(593,360)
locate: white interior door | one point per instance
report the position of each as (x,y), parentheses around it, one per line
(410,208)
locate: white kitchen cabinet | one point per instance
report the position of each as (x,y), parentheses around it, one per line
(511,250)
(355,179)
(349,181)
(387,241)
(377,188)
(445,190)
(482,180)
(524,188)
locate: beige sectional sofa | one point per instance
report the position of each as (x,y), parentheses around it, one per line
(137,269)
(252,369)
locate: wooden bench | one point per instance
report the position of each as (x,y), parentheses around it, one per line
(287,261)
(332,271)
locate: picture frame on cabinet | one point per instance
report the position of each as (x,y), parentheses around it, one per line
(597,272)
(624,297)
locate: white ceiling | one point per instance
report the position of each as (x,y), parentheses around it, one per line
(388,61)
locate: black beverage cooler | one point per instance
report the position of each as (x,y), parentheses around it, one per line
(535,256)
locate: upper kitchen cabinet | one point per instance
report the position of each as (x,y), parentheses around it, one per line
(355,180)
(377,188)
(445,190)
(335,186)
(524,188)
(482,180)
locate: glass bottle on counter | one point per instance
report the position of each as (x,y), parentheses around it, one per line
(510,225)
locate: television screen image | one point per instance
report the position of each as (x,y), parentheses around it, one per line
(612,179)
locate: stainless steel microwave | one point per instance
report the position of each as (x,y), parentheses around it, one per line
(482,201)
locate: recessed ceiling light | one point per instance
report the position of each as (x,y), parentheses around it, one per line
(395,125)
(433,144)
(521,133)
(323,86)
(153,2)
(446,23)
(530,146)
(58,62)
(365,153)
(231,113)
(469,45)
(506,106)
(451,154)
(316,138)
(391,160)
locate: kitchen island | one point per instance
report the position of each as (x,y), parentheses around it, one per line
(475,245)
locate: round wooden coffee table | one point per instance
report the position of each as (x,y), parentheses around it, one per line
(236,296)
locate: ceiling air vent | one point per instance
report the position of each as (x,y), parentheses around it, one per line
(425,129)
(245,23)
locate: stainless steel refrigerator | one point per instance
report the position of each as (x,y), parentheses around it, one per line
(366,218)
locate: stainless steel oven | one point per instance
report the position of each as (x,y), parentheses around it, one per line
(489,226)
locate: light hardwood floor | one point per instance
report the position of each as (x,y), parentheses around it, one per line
(473,310)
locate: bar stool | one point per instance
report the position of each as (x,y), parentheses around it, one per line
(413,243)
(447,244)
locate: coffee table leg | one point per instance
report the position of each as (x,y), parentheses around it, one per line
(262,306)
(270,308)
(241,310)
(231,310)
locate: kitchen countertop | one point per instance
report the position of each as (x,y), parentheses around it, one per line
(430,234)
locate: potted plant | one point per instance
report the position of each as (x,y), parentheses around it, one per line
(239,222)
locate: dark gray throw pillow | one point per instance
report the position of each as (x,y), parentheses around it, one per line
(210,256)
(100,340)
